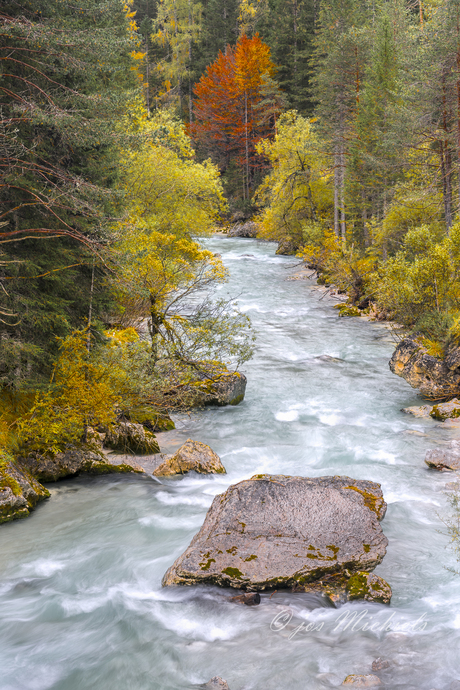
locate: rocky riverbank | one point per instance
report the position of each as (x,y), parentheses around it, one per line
(125,448)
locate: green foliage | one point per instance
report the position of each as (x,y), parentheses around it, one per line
(67,77)
(422,278)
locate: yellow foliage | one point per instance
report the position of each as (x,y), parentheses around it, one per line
(85,392)
(297,192)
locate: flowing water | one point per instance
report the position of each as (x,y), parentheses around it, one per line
(81,603)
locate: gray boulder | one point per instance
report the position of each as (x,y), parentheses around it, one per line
(191,456)
(444,458)
(275,531)
(435,378)
(247,229)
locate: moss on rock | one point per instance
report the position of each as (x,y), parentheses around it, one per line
(19,491)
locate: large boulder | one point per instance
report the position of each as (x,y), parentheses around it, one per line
(19,491)
(434,378)
(129,437)
(191,456)
(247,229)
(447,458)
(49,467)
(275,531)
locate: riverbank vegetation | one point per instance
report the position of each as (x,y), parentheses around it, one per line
(129,130)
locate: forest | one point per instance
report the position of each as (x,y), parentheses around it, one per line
(131,130)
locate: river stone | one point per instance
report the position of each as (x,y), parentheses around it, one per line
(274,531)
(447,410)
(248,598)
(434,378)
(191,456)
(217,683)
(131,437)
(444,458)
(19,491)
(367,681)
(380,664)
(421,411)
(370,587)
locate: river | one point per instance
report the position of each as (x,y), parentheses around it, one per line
(81,603)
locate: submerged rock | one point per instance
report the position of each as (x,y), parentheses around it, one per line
(421,411)
(275,531)
(444,458)
(49,467)
(249,599)
(358,681)
(435,378)
(369,587)
(19,491)
(191,456)
(131,437)
(380,664)
(217,683)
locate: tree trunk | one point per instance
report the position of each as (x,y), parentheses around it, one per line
(446,159)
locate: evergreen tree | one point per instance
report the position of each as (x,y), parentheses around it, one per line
(66,77)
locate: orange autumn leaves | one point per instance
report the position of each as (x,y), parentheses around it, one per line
(236,104)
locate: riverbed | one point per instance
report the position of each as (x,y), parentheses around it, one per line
(81,602)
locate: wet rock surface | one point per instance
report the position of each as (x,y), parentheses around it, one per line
(447,458)
(19,491)
(249,599)
(435,378)
(418,411)
(276,531)
(362,681)
(217,683)
(191,456)
(380,664)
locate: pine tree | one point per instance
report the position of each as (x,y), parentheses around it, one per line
(66,79)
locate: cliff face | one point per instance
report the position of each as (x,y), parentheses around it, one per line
(434,378)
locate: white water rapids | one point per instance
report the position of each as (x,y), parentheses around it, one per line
(81,602)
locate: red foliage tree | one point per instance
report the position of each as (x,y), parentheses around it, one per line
(236,104)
